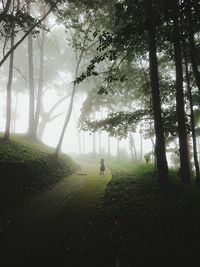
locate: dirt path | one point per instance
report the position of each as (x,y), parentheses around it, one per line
(54,224)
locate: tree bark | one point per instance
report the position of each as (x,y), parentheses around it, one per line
(192,121)
(160,151)
(40,83)
(9,87)
(180,110)
(31,127)
(117,148)
(108,146)
(141,146)
(5,10)
(192,46)
(15,112)
(69,111)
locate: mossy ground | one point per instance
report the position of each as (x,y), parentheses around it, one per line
(141,223)
(29,166)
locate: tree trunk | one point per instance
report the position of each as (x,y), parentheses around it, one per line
(141,146)
(94,139)
(27,33)
(15,113)
(9,87)
(100,143)
(69,111)
(108,146)
(5,10)
(31,127)
(117,148)
(192,46)
(83,142)
(192,122)
(40,83)
(161,161)
(41,128)
(180,110)
(67,118)
(94,143)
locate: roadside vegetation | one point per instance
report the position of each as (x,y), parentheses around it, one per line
(28,166)
(140,221)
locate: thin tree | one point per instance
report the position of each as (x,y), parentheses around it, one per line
(31,127)
(9,85)
(36,24)
(40,82)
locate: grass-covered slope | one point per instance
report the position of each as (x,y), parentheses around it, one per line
(142,223)
(26,165)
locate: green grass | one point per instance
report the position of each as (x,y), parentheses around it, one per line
(142,222)
(28,166)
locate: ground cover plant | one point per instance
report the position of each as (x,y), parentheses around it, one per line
(142,222)
(30,166)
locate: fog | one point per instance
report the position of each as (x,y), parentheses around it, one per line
(46,70)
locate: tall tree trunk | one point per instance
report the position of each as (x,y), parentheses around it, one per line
(141,145)
(15,112)
(192,45)
(67,118)
(78,134)
(180,110)
(69,111)
(40,83)
(41,128)
(9,87)
(94,139)
(192,122)
(83,142)
(31,127)
(161,161)
(100,143)
(94,143)
(117,148)
(108,146)
(132,148)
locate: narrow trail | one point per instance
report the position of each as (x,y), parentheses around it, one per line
(53,224)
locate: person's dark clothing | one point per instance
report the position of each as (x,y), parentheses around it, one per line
(102,166)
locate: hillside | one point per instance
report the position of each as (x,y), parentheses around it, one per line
(30,166)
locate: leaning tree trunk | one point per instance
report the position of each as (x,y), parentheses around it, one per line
(69,111)
(67,118)
(9,87)
(180,110)
(192,121)
(161,161)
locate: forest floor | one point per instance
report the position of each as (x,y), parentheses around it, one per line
(124,219)
(52,227)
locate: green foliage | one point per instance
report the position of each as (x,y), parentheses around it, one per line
(140,217)
(27,165)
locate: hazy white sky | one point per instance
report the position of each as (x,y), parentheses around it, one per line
(52,132)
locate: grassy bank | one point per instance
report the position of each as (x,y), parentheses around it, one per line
(140,222)
(29,166)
